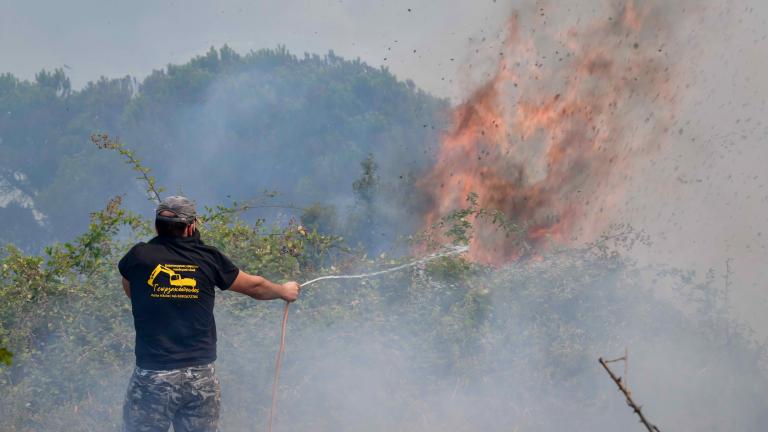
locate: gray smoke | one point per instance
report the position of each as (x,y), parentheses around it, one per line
(510,349)
(513,348)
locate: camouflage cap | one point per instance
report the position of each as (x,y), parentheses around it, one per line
(182,207)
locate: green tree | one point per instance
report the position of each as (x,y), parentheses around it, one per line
(297,124)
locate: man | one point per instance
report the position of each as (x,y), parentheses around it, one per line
(170,281)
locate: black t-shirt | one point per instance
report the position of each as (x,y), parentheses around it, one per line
(172,295)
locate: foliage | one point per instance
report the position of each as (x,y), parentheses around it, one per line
(440,345)
(457,227)
(365,186)
(217,125)
(63,315)
(62,307)
(6,357)
(320,217)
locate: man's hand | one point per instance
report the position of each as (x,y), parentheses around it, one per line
(290,291)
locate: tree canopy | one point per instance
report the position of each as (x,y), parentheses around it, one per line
(221,125)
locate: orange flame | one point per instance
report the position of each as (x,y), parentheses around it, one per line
(550,139)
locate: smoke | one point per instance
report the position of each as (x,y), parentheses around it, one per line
(298,126)
(510,349)
(445,346)
(516,348)
(456,347)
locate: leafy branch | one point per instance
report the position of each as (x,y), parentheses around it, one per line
(104,142)
(226,212)
(459,225)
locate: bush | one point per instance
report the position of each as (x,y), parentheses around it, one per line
(447,345)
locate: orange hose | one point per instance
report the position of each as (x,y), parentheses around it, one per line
(278,364)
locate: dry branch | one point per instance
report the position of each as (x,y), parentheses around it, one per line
(635,407)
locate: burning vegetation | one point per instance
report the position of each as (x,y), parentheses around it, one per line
(550,139)
(547,145)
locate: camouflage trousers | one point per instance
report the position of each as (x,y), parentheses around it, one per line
(189,398)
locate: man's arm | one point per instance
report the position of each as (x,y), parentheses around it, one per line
(127,287)
(262,289)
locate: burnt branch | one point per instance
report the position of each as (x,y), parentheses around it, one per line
(635,407)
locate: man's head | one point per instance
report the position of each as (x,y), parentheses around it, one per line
(176,217)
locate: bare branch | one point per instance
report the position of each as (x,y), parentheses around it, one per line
(635,407)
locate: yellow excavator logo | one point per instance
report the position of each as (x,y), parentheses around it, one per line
(175,278)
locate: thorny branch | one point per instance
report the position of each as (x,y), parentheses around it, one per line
(635,407)
(237,208)
(103,141)
(625,359)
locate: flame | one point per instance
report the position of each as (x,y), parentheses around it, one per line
(550,139)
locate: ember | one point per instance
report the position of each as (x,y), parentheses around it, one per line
(550,138)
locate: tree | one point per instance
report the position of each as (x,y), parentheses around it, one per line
(298,125)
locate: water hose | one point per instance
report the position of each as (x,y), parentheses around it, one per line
(279,360)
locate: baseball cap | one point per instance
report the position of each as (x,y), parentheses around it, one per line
(182,207)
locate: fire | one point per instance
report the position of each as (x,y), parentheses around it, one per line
(550,139)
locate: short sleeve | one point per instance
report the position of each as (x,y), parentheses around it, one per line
(127,263)
(225,271)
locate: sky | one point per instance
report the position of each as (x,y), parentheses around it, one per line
(703,198)
(422,40)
